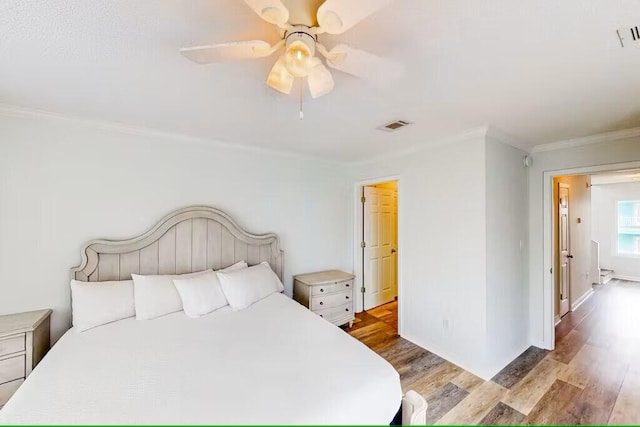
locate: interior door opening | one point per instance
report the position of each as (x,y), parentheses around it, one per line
(379,255)
(595,252)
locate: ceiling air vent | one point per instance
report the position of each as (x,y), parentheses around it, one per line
(629,36)
(394,126)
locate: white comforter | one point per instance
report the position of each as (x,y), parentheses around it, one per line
(274,362)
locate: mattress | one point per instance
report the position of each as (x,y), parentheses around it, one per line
(274,362)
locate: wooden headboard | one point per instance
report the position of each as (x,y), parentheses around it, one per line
(190,239)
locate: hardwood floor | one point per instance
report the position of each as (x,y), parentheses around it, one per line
(592,377)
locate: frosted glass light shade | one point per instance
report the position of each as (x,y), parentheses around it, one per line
(280,78)
(320,81)
(298,58)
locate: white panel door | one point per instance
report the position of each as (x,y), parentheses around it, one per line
(564,248)
(381,243)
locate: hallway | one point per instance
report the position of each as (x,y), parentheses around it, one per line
(593,375)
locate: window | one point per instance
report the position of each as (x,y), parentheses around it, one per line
(628,233)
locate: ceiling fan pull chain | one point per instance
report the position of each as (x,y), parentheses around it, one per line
(301,88)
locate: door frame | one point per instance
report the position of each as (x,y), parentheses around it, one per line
(549,277)
(357,238)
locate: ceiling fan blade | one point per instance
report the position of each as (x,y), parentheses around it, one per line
(337,16)
(363,64)
(272,11)
(280,78)
(320,80)
(227,51)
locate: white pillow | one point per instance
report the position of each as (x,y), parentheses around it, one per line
(156,296)
(244,287)
(96,303)
(237,266)
(201,294)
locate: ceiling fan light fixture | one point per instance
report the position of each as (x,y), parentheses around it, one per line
(280,78)
(300,42)
(297,58)
(300,51)
(320,81)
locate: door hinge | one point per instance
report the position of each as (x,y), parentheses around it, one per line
(363,244)
(363,199)
(362,289)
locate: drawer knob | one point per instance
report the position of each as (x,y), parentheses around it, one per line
(321,289)
(335,283)
(347,285)
(346,309)
(347,297)
(322,315)
(321,303)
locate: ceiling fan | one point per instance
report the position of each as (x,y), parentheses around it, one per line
(300,43)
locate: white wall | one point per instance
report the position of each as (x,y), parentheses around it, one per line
(63,183)
(441,215)
(609,152)
(445,302)
(604,200)
(507,241)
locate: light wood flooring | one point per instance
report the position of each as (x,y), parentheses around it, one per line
(592,377)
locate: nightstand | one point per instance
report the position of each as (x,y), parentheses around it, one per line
(329,294)
(24,340)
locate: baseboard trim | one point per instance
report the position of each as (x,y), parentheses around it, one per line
(557,319)
(485,372)
(539,344)
(581,300)
(629,278)
(493,370)
(441,354)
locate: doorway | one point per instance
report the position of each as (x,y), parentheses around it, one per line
(572,266)
(377,252)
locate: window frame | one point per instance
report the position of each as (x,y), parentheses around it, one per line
(635,215)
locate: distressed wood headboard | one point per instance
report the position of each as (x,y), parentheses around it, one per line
(189,239)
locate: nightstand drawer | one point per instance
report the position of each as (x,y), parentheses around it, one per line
(331,288)
(327,293)
(331,314)
(12,368)
(7,390)
(12,344)
(333,300)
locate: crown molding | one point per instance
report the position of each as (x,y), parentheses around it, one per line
(469,134)
(588,140)
(15,111)
(508,139)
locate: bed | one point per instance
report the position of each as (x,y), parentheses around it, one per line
(272,363)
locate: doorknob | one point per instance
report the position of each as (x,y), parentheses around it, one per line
(393,251)
(570,256)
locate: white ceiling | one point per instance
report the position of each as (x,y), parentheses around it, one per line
(544,70)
